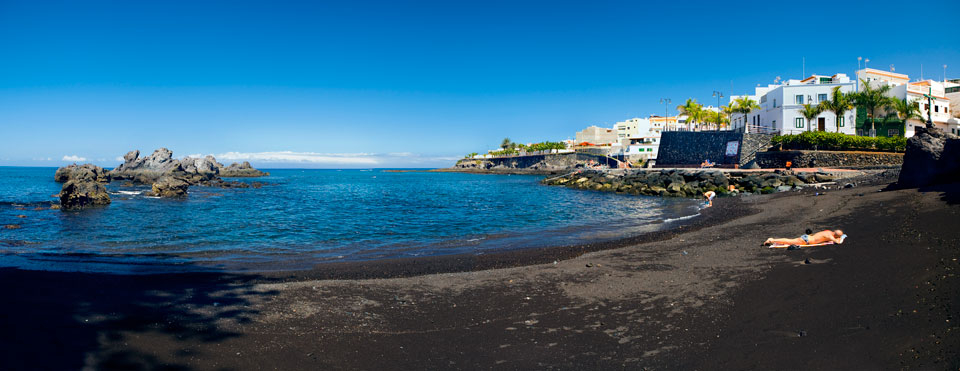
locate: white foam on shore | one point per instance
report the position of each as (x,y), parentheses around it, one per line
(129,192)
(668,220)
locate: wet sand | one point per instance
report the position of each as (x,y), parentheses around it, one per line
(705,296)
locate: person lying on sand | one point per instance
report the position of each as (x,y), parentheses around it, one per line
(835,236)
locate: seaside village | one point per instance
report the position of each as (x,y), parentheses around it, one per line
(876,103)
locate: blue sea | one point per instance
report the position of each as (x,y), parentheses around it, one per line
(300,218)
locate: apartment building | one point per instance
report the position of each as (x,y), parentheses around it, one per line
(780,106)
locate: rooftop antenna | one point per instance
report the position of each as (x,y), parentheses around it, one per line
(776,80)
(944,74)
(804,69)
(921,72)
(892,69)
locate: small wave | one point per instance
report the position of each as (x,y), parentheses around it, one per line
(670,220)
(151,197)
(476,239)
(128,192)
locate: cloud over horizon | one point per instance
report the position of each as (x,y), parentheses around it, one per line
(73,158)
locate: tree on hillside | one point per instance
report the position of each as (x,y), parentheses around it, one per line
(872,99)
(839,103)
(810,112)
(693,111)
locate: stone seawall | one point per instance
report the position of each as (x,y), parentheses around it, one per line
(534,163)
(687,183)
(777,159)
(682,148)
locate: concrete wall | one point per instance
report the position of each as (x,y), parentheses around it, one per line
(692,148)
(777,159)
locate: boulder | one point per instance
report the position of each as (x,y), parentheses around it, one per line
(148,169)
(236,170)
(80,193)
(932,157)
(85,172)
(170,186)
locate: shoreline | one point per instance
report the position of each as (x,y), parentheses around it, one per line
(704,297)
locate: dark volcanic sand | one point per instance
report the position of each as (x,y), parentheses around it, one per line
(703,297)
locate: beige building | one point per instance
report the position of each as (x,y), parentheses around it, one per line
(597,136)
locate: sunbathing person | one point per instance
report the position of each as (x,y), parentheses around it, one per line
(835,236)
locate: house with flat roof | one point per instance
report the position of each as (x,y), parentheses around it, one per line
(938,108)
(780,106)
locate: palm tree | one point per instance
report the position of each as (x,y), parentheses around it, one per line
(692,109)
(506,143)
(904,110)
(744,105)
(871,99)
(810,112)
(838,104)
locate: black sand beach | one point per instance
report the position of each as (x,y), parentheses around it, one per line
(705,296)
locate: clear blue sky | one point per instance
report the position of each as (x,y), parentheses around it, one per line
(406,83)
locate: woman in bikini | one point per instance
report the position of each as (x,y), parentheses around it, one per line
(808,239)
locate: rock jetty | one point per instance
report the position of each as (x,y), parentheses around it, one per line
(167,176)
(687,183)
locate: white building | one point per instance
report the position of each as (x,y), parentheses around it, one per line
(631,128)
(780,106)
(913,92)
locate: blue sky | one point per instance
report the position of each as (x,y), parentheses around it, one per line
(412,83)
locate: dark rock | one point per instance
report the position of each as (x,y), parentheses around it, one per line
(243,170)
(170,186)
(85,172)
(82,193)
(932,157)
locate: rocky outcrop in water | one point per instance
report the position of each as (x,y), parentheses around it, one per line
(167,176)
(83,186)
(79,194)
(169,186)
(243,170)
(686,183)
(89,172)
(932,157)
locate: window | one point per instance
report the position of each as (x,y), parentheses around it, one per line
(840,121)
(799,98)
(936,108)
(821,97)
(774,123)
(893,132)
(774,103)
(798,122)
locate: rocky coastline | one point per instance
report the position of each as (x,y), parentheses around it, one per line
(84,185)
(690,182)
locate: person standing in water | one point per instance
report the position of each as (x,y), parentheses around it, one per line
(709,195)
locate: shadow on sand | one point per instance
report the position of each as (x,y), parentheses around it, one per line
(57,320)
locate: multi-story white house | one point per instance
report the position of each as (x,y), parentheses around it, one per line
(631,128)
(780,106)
(901,88)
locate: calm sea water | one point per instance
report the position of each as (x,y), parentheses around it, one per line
(304,217)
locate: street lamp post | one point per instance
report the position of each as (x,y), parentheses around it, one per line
(666,106)
(719,96)
(858,70)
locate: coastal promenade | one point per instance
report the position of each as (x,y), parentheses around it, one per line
(701,294)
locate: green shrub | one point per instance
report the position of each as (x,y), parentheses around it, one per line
(839,142)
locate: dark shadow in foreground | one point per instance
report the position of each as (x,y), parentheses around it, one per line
(57,320)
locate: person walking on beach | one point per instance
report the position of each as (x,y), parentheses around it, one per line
(709,195)
(835,236)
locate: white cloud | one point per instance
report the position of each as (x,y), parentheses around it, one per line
(119,158)
(74,158)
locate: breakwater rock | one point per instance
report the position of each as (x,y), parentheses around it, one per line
(534,164)
(82,186)
(687,183)
(932,157)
